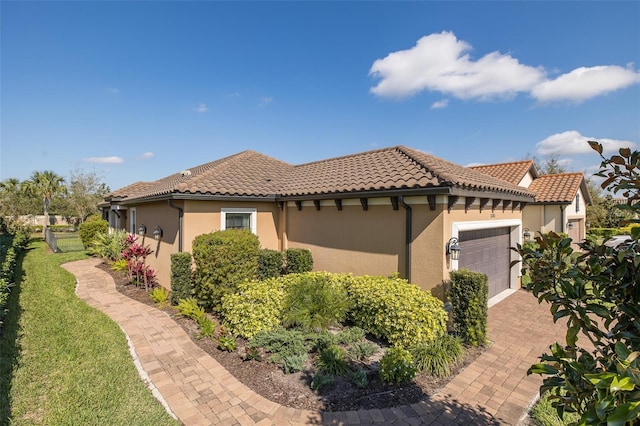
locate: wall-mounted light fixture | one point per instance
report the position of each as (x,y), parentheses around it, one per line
(157,233)
(142,230)
(569,225)
(453,248)
(526,234)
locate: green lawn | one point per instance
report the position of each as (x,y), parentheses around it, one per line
(63,362)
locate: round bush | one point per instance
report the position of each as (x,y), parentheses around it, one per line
(396,366)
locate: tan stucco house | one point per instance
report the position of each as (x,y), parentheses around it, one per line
(560,199)
(377,212)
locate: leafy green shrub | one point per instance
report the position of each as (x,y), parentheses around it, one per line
(287,347)
(321,381)
(159,295)
(469,295)
(322,340)
(359,351)
(359,378)
(11,246)
(333,360)
(350,335)
(297,261)
(189,308)
(91,227)
(119,265)
(393,309)
(207,326)
(255,307)
(223,260)
(227,343)
(270,264)
(180,276)
(396,366)
(439,356)
(109,245)
(314,301)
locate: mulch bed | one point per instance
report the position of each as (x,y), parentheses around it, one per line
(292,390)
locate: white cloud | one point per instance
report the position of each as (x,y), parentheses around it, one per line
(585,83)
(265,100)
(145,155)
(441,63)
(233,95)
(572,142)
(440,104)
(113,90)
(202,108)
(104,160)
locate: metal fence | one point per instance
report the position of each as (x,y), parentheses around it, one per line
(63,242)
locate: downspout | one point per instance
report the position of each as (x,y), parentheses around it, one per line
(408,233)
(562,224)
(180,214)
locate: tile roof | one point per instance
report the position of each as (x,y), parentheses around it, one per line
(558,188)
(253,174)
(247,173)
(512,172)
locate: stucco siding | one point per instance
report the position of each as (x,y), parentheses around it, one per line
(352,240)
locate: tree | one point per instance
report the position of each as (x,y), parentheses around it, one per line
(549,166)
(13,201)
(597,292)
(84,192)
(45,184)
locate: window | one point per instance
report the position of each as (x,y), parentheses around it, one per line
(238,219)
(132,221)
(577,203)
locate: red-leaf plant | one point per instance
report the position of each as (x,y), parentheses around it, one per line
(138,272)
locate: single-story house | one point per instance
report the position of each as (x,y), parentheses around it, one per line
(560,199)
(391,210)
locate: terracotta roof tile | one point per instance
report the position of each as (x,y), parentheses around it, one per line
(558,188)
(512,172)
(253,174)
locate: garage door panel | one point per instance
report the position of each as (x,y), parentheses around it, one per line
(487,251)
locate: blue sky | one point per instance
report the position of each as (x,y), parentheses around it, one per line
(139,90)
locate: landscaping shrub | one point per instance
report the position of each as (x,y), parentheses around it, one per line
(138,272)
(396,366)
(314,301)
(333,360)
(189,308)
(255,307)
(359,378)
(320,381)
(468,295)
(287,348)
(159,295)
(223,260)
(322,340)
(180,276)
(351,335)
(11,246)
(438,357)
(270,264)
(297,261)
(359,351)
(91,227)
(207,326)
(109,245)
(393,309)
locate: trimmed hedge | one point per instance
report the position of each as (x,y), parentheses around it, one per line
(255,307)
(394,309)
(469,296)
(297,261)
(270,264)
(180,276)
(11,246)
(90,228)
(223,260)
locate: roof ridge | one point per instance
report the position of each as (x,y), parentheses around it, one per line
(561,174)
(502,164)
(342,157)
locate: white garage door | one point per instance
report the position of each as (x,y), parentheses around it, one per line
(487,251)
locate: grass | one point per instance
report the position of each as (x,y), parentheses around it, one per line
(63,362)
(544,414)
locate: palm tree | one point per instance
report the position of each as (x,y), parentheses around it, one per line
(45,184)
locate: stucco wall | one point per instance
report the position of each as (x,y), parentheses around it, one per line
(352,240)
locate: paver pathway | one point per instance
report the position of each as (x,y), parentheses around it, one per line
(494,389)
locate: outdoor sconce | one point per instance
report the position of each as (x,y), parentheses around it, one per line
(526,234)
(157,233)
(142,230)
(453,248)
(569,225)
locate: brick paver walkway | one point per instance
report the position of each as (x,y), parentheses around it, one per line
(494,389)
